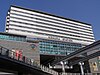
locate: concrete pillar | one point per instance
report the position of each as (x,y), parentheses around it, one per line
(81,67)
(63,66)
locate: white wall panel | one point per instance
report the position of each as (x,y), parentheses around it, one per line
(66,30)
(44,22)
(49,19)
(45,32)
(43,36)
(31,12)
(18,24)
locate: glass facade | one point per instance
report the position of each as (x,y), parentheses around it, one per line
(12,37)
(57,48)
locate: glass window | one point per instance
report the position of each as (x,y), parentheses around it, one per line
(52,47)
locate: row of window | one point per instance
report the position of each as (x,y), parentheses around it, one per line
(11,37)
(50,18)
(48,34)
(53,53)
(50,21)
(56,28)
(60,43)
(62,24)
(57,47)
(51,31)
(55,25)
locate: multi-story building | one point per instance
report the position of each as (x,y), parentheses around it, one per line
(56,35)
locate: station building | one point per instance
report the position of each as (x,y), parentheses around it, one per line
(56,36)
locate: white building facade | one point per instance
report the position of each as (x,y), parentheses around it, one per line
(38,24)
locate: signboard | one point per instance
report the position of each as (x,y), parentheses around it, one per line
(60,39)
(17,54)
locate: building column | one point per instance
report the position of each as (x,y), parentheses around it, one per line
(63,66)
(81,67)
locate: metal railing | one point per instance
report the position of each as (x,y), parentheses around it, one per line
(48,70)
(18,56)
